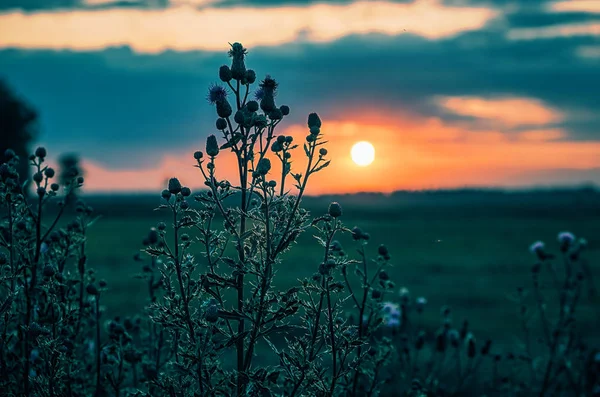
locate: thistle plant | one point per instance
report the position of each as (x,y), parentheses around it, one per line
(216,323)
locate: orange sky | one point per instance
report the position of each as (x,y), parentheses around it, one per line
(412,152)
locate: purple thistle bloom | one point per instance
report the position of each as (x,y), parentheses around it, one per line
(392,322)
(566,238)
(216,93)
(259,94)
(537,247)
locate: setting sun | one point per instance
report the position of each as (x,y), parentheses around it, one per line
(362,153)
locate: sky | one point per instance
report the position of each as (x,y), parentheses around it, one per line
(451,93)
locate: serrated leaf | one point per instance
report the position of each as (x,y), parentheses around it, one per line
(319,168)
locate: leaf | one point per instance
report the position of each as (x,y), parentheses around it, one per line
(306,150)
(90,223)
(319,168)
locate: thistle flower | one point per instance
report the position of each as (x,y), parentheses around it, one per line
(565,239)
(538,248)
(263,167)
(259,94)
(404,295)
(217,95)
(285,110)
(212,147)
(454,337)
(250,76)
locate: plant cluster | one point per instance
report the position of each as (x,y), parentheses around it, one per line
(216,325)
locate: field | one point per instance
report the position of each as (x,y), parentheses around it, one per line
(465,249)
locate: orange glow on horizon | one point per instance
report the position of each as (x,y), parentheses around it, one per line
(412,153)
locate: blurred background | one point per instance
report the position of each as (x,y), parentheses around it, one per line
(483,118)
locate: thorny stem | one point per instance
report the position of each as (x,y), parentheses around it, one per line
(184,297)
(361,313)
(264,284)
(98,391)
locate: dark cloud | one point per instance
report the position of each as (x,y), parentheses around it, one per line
(122,108)
(29,5)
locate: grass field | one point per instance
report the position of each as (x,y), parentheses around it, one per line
(468,250)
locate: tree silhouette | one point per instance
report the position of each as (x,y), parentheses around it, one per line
(18,127)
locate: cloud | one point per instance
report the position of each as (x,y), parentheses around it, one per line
(564,30)
(591,6)
(589,51)
(185,28)
(503,112)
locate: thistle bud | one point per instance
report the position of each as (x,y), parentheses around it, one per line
(315,130)
(80,180)
(49,271)
(92,289)
(9,154)
(153,236)
(335,209)
(41,191)
(221,124)
(252,106)
(225,73)
(272,183)
(323,151)
(224,108)
(198,155)
(238,67)
(285,110)
(212,147)
(166,194)
(276,147)
(250,76)
(276,114)
(186,191)
(239,117)
(38,177)
(49,172)
(267,103)
(40,152)
(382,250)
(212,314)
(471,346)
(174,186)
(314,120)
(260,121)
(263,167)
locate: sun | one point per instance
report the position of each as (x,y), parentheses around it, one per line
(362,153)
